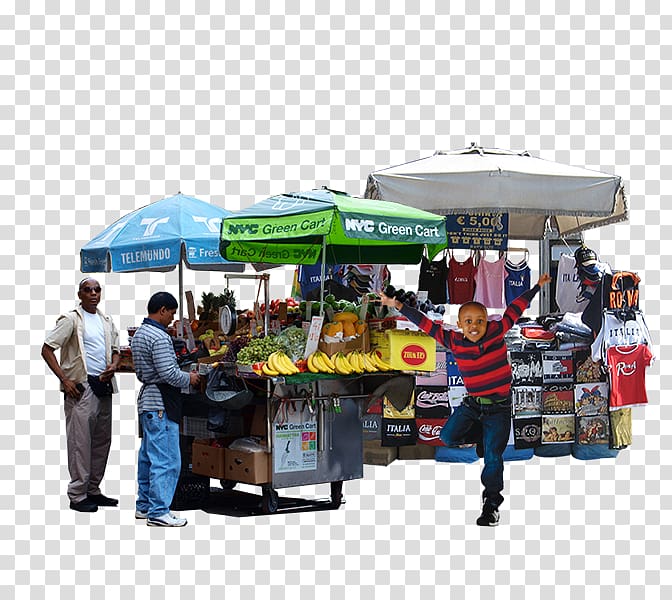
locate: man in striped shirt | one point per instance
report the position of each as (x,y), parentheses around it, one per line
(159,459)
(485,415)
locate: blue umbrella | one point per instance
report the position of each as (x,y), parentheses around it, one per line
(160,237)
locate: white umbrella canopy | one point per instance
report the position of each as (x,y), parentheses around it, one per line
(536,193)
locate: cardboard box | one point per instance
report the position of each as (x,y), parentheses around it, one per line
(203,326)
(417,452)
(411,350)
(375,454)
(247,467)
(207,460)
(258,424)
(359,343)
(379,340)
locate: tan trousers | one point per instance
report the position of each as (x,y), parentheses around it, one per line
(88,428)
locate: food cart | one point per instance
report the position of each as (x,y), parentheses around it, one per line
(313,420)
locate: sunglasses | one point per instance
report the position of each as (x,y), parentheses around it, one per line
(89,290)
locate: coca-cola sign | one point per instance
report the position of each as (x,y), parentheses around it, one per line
(429,431)
(431,397)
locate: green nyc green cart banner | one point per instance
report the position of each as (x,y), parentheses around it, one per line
(291,229)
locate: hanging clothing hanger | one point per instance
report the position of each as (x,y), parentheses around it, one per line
(526,255)
(582,245)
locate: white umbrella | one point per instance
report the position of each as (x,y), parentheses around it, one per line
(536,193)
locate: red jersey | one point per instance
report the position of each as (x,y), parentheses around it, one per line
(627,366)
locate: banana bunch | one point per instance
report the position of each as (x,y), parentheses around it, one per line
(378,361)
(365,362)
(360,362)
(353,362)
(279,363)
(343,365)
(319,362)
(370,363)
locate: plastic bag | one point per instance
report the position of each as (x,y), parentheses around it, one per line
(247,444)
(227,390)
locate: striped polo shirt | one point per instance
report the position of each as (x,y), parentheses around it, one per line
(154,361)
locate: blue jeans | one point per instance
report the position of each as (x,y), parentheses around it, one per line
(159,463)
(489,425)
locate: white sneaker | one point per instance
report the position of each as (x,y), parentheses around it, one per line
(140,515)
(167,520)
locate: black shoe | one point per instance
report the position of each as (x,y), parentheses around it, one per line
(489,517)
(84,506)
(100,500)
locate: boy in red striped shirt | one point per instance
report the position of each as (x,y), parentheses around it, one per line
(485,415)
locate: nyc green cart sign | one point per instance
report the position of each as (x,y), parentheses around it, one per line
(297,228)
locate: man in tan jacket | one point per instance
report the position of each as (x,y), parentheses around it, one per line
(89,344)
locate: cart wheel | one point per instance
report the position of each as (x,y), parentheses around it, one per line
(269,500)
(336,494)
(227,484)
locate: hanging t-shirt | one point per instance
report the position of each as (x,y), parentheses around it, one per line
(627,366)
(618,290)
(461,280)
(620,425)
(434,279)
(568,286)
(616,332)
(490,283)
(309,276)
(517,279)
(364,279)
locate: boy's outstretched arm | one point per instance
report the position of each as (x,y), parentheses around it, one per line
(389,301)
(543,280)
(435,330)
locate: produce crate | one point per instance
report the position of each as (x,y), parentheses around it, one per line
(207,460)
(247,467)
(375,454)
(359,343)
(417,452)
(192,492)
(198,426)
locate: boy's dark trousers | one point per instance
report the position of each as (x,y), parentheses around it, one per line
(489,424)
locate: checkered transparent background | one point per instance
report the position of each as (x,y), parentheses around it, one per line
(106,106)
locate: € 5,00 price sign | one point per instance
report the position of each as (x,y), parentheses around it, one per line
(484,231)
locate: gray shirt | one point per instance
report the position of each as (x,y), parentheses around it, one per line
(155,362)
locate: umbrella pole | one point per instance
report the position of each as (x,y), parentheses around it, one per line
(180,290)
(322,268)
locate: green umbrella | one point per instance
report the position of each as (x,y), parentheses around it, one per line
(302,228)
